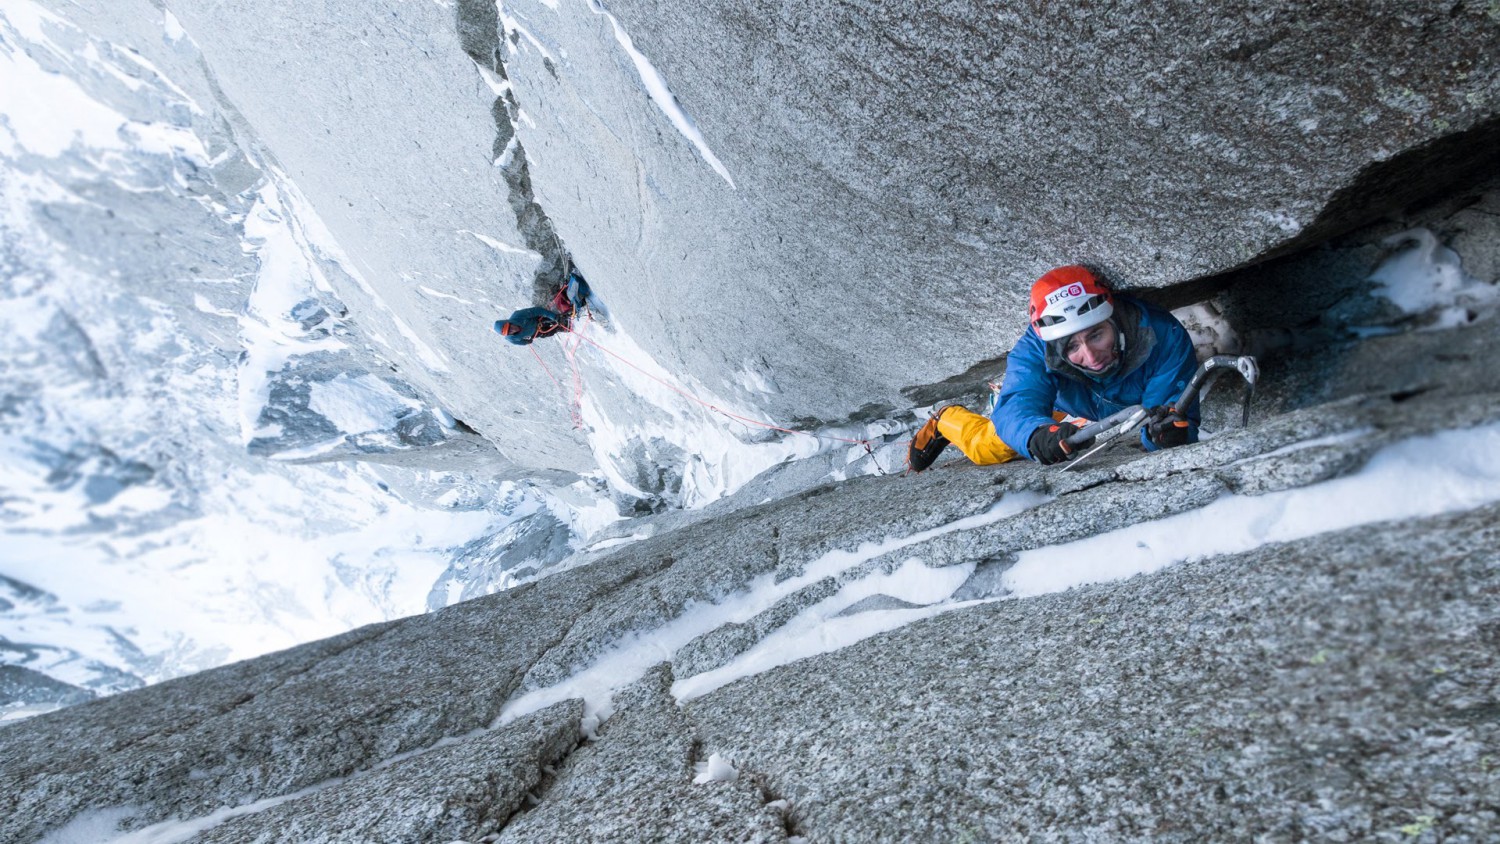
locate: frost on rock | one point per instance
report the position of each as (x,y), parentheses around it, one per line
(656,89)
(1427,282)
(715,768)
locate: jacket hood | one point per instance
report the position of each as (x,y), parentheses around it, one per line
(1140,339)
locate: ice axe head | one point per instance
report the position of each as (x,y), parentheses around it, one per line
(1246,366)
(1248,369)
(1211,370)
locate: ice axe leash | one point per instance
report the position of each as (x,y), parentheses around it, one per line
(1109,429)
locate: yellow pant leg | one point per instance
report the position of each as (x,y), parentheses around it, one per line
(975,436)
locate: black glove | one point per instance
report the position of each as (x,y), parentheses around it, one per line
(1166,429)
(1046,442)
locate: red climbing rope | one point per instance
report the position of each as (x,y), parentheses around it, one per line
(544,366)
(571,353)
(715,408)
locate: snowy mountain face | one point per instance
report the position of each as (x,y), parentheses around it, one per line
(663,577)
(206,455)
(173,350)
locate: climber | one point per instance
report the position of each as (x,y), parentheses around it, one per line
(1087,354)
(528,324)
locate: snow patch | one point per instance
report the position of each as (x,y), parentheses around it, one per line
(509,153)
(43,112)
(202,304)
(629,659)
(171,27)
(1450,472)
(102,826)
(357,405)
(754,377)
(497,83)
(90,827)
(617,542)
(1211,333)
(509,24)
(1285,223)
(161,78)
(440,295)
(1428,278)
(715,768)
(821,629)
(1319,442)
(501,246)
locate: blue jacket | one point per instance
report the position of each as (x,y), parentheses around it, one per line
(534,322)
(1156,364)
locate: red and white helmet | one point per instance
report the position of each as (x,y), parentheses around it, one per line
(1068,300)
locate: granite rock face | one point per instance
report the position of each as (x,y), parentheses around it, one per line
(1337,689)
(776,203)
(636,783)
(1340,685)
(462,791)
(903,165)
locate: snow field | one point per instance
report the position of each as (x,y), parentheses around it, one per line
(48,113)
(215,557)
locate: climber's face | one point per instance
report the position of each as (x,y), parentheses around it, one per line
(1094,348)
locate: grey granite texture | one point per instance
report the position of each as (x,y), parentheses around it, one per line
(1341,688)
(903,171)
(636,783)
(1338,687)
(465,789)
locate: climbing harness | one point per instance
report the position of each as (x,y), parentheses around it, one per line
(1110,429)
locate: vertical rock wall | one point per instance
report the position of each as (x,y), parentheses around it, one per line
(816,213)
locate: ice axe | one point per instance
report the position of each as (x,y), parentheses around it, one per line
(1112,427)
(1209,373)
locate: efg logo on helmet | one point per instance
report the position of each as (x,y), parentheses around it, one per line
(1070,292)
